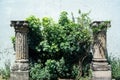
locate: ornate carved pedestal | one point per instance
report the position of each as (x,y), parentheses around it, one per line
(100,67)
(20,69)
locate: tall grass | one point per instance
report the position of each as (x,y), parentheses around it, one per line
(5,72)
(5,59)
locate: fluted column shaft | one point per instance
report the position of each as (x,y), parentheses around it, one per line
(21,45)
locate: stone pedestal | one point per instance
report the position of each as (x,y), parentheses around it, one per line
(20,69)
(101,75)
(101,70)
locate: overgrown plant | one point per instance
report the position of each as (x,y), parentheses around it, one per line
(69,71)
(38,72)
(102,26)
(50,40)
(53,70)
(115,67)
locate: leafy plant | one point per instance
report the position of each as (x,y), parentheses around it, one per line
(59,46)
(38,72)
(66,70)
(51,66)
(5,72)
(13,41)
(115,66)
(53,70)
(101,27)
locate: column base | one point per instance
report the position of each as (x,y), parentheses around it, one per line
(101,70)
(20,70)
(101,75)
(19,75)
(100,65)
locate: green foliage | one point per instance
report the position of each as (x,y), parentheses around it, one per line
(5,72)
(67,70)
(38,72)
(115,66)
(63,18)
(53,70)
(13,41)
(52,42)
(47,21)
(101,27)
(34,32)
(51,66)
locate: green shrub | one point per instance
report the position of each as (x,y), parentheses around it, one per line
(115,66)
(38,72)
(59,46)
(52,70)
(68,71)
(51,66)
(52,40)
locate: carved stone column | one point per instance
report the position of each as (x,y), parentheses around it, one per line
(20,70)
(101,68)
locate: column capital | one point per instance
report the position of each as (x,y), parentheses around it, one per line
(20,25)
(100,25)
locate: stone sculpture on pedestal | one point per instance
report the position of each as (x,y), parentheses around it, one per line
(100,67)
(20,69)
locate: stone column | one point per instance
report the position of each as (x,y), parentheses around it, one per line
(101,68)
(20,69)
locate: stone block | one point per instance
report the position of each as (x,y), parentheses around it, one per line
(101,75)
(100,67)
(19,75)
